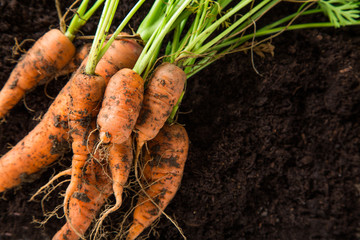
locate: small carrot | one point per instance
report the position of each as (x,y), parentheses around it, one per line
(75,62)
(86,92)
(163,90)
(86,201)
(120,162)
(121,54)
(161,175)
(121,106)
(49,139)
(48,55)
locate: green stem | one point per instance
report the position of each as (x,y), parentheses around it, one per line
(204,35)
(152,20)
(172,116)
(147,55)
(233,26)
(290,17)
(100,35)
(80,18)
(261,33)
(121,27)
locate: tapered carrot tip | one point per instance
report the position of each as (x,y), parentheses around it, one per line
(135,231)
(105,137)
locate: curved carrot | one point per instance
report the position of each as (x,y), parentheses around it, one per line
(120,162)
(162,92)
(41,147)
(86,201)
(121,106)
(161,177)
(86,92)
(49,139)
(48,55)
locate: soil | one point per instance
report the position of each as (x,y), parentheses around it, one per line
(273,155)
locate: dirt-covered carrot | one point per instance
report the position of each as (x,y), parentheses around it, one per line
(120,158)
(51,53)
(121,106)
(41,147)
(86,92)
(120,162)
(163,168)
(163,91)
(75,62)
(48,55)
(86,201)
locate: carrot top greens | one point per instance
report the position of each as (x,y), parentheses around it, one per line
(98,48)
(198,32)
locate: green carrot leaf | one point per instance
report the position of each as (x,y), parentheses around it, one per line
(341,12)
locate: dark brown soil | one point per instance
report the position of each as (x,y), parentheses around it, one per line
(272,156)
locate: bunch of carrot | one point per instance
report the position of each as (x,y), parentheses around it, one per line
(120,99)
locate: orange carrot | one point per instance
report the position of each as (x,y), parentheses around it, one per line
(82,104)
(162,92)
(86,201)
(75,62)
(121,54)
(116,120)
(120,162)
(41,147)
(48,140)
(86,92)
(161,176)
(121,106)
(48,55)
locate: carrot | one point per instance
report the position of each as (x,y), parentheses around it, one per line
(75,62)
(121,54)
(48,55)
(41,147)
(161,175)
(163,90)
(86,201)
(116,120)
(120,162)
(121,106)
(86,92)
(49,139)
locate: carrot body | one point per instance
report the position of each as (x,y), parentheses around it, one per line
(48,55)
(130,51)
(41,147)
(76,61)
(86,92)
(162,92)
(121,106)
(120,162)
(86,201)
(49,139)
(162,174)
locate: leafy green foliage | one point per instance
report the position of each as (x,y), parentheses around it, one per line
(341,12)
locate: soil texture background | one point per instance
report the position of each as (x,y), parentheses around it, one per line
(274,155)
